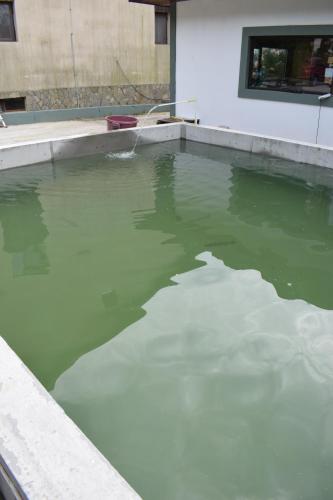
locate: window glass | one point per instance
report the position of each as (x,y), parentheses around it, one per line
(161,27)
(298,64)
(7,28)
(12,104)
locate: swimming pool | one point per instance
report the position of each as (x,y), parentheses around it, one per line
(179,307)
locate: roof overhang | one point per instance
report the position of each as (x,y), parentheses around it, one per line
(160,3)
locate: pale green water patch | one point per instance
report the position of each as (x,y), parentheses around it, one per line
(223,390)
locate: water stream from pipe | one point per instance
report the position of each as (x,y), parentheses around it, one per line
(127,155)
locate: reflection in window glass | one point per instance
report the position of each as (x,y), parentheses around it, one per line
(161,25)
(299,64)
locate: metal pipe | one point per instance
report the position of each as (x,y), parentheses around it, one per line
(324,97)
(321,98)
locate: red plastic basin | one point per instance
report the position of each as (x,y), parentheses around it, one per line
(110,124)
(121,121)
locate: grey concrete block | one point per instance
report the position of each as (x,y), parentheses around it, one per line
(24,154)
(219,137)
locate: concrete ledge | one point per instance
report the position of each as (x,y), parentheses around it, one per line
(24,154)
(82,145)
(29,153)
(301,152)
(43,453)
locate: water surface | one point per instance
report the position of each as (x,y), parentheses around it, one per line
(179,306)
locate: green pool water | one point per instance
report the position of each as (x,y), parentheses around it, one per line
(179,306)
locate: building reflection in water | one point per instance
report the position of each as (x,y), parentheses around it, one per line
(251,212)
(24,232)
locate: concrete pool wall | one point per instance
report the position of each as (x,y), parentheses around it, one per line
(42,452)
(28,153)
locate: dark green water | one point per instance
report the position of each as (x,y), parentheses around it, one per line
(179,306)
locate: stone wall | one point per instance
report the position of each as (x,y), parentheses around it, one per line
(62,98)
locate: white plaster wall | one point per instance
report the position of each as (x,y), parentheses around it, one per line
(209,36)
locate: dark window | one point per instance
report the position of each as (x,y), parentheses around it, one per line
(161,25)
(297,64)
(12,104)
(7,26)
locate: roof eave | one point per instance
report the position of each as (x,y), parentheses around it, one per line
(160,3)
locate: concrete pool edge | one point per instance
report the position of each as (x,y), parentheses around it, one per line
(50,150)
(275,147)
(43,454)
(62,148)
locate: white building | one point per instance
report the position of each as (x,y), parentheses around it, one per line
(256,65)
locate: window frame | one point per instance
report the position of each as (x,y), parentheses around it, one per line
(273,95)
(12,5)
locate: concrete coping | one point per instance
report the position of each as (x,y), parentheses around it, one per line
(82,145)
(276,147)
(43,454)
(62,148)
